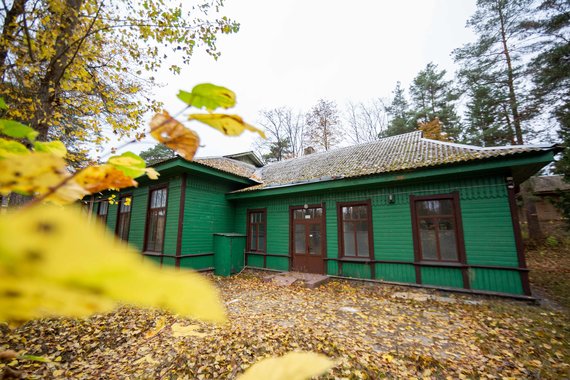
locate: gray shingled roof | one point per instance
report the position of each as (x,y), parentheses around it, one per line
(228,165)
(403,152)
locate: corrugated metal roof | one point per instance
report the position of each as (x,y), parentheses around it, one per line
(391,154)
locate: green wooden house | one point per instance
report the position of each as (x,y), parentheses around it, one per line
(403,209)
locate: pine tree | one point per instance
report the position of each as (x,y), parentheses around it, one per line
(551,75)
(433,96)
(486,118)
(399,111)
(495,61)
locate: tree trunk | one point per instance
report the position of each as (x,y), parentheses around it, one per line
(50,83)
(8,33)
(534,231)
(510,79)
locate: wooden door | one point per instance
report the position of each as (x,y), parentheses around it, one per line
(307,239)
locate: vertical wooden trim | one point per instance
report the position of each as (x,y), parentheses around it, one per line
(324,250)
(518,239)
(291,242)
(460,240)
(416,238)
(181,219)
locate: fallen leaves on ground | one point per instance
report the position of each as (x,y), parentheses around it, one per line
(368,332)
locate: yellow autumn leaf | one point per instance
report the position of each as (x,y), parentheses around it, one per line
(160,325)
(102,177)
(231,125)
(56,148)
(174,135)
(129,163)
(179,330)
(70,192)
(54,262)
(291,366)
(151,173)
(31,173)
(10,148)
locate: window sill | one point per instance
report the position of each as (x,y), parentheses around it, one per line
(452,264)
(364,260)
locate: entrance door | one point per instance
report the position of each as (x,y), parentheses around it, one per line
(307,239)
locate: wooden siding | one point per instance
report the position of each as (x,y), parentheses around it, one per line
(488,232)
(206,212)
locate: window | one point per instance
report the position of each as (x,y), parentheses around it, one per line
(124,217)
(256,224)
(355,227)
(103,210)
(156,220)
(436,227)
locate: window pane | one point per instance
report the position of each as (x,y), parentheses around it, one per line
(261,235)
(253,237)
(428,239)
(315,239)
(300,243)
(362,212)
(362,239)
(435,207)
(318,212)
(298,214)
(447,243)
(346,213)
(103,207)
(348,236)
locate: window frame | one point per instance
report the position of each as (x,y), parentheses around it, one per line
(340,225)
(263,211)
(148,211)
(459,237)
(103,217)
(122,198)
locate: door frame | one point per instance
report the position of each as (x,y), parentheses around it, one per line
(322,206)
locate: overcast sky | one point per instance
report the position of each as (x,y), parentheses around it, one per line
(291,53)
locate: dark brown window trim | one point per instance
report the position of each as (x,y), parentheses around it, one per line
(122,198)
(148,209)
(461,257)
(339,220)
(339,206)
(248,235)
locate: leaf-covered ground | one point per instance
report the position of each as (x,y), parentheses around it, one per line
(371,330)
(550,271)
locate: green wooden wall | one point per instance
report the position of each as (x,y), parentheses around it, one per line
(139,206)
(487,224)
(206,212)
(488,232)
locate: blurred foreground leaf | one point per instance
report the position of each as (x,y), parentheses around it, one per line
(291,366)
(174,135)
(209,96)
(53,262)
(231,125)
